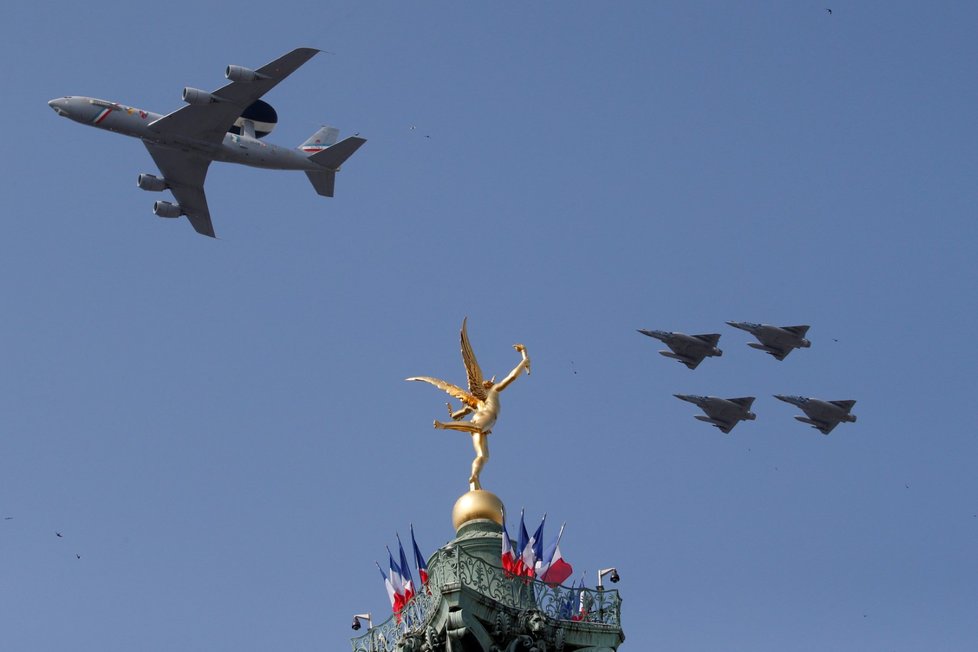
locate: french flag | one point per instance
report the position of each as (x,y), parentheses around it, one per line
(533,551)
(407,580)
(391,593)
(552,568)
(419,560)
(397,582)
(508,556)
(521,543)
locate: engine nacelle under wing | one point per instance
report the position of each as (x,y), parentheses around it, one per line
(166,209)
(151,182)
(242,74)
(196,96)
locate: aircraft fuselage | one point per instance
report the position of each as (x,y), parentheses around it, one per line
(137,123)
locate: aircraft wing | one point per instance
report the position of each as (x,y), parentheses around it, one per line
(184,174)
(209,122)
(710,338)
(825,426)
(800,331)
(845,405)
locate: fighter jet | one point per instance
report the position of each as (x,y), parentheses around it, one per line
(823,415)
(724,413)
(775,340)
(225,125)
(688,349)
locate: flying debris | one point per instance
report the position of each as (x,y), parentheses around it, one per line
(822,415)
(224,125)
(775,340)
(688,349)
(724,413)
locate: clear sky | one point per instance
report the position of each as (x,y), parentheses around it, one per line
(221,429)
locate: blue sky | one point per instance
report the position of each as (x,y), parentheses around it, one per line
(221,430)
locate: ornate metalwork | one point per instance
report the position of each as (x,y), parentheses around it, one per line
(451,568)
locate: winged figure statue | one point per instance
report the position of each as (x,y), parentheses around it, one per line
(481,401)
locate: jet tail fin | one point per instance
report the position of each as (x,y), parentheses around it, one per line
(320,140)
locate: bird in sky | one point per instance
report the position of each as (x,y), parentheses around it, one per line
(828,10)
(59,535)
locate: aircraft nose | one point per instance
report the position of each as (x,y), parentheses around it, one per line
(58,105)
(55,105)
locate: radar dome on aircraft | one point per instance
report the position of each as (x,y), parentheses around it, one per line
(261,114)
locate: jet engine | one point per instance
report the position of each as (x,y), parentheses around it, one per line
(262,116)
(242,74)
(197,96)
(166,209)
(151,182)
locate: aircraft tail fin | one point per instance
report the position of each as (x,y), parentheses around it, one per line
(320,140)
(323,182)
(333,156)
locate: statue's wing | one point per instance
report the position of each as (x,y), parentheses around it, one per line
(472,369)
(453,390)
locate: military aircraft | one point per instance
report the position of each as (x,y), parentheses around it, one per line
(822,415)
(775,340)
(225,125)
(688,349)
(724,413)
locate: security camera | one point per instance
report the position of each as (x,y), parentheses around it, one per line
(356,621)
(607,571)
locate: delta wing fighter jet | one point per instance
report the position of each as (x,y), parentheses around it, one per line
(688,349)
(225,125)
(822,415)
(724,413)
(775,340)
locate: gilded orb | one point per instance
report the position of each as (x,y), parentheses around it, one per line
(477,504)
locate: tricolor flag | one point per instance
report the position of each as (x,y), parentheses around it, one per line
(406,578)
(552,568)
(397,581)
(532,551)
(391,593)
(582,603)
(508,556)
(565,611)
(518,568)
(419,560)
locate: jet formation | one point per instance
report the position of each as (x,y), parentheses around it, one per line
(223,125)
(777,341)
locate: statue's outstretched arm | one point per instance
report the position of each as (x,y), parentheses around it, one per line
(517,370)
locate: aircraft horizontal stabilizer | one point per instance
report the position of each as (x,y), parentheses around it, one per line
(332,157)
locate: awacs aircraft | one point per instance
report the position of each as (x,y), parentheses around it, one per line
(822,415)
(688,349)
(225,125)
(775,340)
(724,413)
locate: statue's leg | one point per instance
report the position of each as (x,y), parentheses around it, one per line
(461,426)
(480,441)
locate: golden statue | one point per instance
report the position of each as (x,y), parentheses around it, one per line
(482,401)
